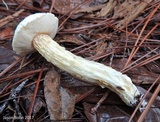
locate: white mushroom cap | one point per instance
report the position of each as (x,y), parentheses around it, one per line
(39,23)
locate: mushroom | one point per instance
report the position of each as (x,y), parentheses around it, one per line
(35,33)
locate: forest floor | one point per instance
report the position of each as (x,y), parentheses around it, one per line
(122,34)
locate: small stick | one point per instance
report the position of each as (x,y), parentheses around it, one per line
(17,109)
(94,109)
(14,93)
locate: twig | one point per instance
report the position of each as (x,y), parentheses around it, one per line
(94,109)
(16,106)
(14,93)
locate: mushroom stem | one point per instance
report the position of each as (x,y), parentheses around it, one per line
(86,70)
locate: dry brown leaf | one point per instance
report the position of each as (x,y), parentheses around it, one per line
(101,47)
(26,101)
(90,9)
(100,50)
(107,8)
(105,113)
(138,75)
(6,33)
(113,113)
(129,10)
(6,55)
(154,113)
(156,103)
(60,102)
(70,38)
(65,6)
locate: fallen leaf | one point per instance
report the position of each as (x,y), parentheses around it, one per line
(6,32)
(113,113)
(65,6)
(26,101)
(101,48)
(156,103)
(79,7)
(154,67)
(60,102)
(98,94)
(70,38)
(105,113)
(6,55)
(154,113)
(69,81)
(129,10)
(138,75)
(107,8)
(89,9)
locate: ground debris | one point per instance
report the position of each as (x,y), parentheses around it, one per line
(123,34)
(129,10)
(12,96)
(60,102)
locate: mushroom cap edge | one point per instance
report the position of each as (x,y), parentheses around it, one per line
(39,23)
